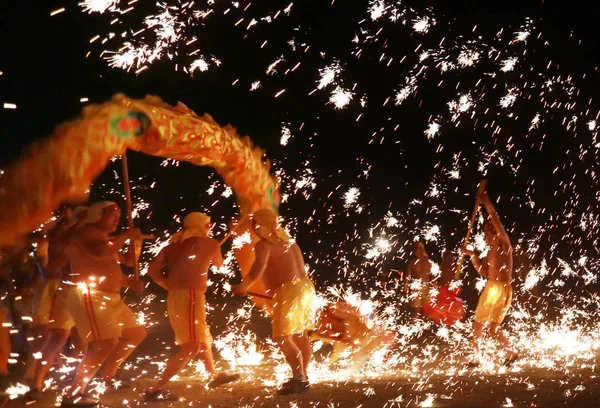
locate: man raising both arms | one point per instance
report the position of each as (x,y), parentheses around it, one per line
(187,259)
(495,300)
(280,265)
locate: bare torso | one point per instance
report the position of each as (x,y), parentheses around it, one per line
(188,262)
(499,261)
(447,273)
(420,269)
(285,264)
(102,272)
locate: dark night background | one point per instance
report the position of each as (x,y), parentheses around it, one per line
(46,72)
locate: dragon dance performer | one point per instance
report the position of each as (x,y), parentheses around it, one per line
(187,259)
(343,326)
(100,315)
(495,300)
(52,313)
(448,268)
(280,265)
(418,279)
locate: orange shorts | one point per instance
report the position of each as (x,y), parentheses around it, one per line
(187,314)
(99,315)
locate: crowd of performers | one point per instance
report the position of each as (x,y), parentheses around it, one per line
(72,284)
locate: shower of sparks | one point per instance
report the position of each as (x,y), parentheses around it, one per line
(99,6)
(340,98)
(422,25)
(509,64)
(498,108)
(329,74)
(432,130)
(286,134)
(200,64)
(351,196)
(509,99)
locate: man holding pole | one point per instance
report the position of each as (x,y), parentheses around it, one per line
(187,259)
(497,266)
(280,266)
(100,315)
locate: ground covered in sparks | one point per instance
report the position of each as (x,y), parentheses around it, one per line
(529,387)
(425,368)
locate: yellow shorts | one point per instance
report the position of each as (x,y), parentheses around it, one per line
(99,315)
(294,308)
(419,293)
(187,314)
(44,301)
(60,317)
(494,302)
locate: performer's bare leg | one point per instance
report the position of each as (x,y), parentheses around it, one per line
(498,334)
(206,356)
(177,362)
(79,344)
(97,353)
(303,343)
(293,356)
(477,336)
(58,338)
(130,339)
(43,336)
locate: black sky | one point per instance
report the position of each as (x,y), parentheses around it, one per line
(45,73)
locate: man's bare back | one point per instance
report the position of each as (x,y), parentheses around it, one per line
(284,263)
(188,262)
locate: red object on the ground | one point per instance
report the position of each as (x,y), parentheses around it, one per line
(447,308)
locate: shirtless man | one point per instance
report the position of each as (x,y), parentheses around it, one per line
(280,265)
(187,259)
(45,296)
(448,268)
(100,315)
(53,305)
(495,300)
(418,279)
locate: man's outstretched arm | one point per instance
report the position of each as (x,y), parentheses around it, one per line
(495,219)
